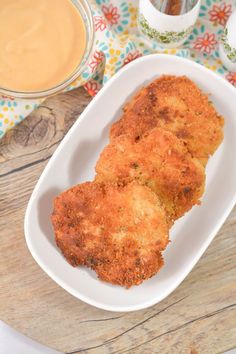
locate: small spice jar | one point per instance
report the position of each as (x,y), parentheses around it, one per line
(167,30)
(227,47)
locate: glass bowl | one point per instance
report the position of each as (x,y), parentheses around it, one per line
(86,13)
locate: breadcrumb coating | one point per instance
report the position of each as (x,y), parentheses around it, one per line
(119,231)
(176,104)
(160,161)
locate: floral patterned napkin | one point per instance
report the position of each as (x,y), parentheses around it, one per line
(117,42)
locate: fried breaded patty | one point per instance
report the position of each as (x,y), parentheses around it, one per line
(160,161)
(178,105)
(119,231)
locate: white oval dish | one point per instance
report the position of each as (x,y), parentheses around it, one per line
(74,161)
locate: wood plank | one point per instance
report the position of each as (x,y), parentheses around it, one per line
(200,315)
(40,133)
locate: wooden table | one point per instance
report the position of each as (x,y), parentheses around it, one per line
(200,316)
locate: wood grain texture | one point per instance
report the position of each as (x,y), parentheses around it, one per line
(200,315)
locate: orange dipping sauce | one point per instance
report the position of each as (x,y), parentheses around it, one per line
(41,43)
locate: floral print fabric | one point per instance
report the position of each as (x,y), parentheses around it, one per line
(118,42)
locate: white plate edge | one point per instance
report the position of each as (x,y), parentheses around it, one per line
(61,145)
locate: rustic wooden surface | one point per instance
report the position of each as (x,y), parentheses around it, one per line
(200,316)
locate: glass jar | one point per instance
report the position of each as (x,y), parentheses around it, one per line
(85,11)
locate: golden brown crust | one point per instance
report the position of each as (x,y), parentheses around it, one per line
(128,269)
(119,231)
(178,105)
(160,161)
(148,176)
